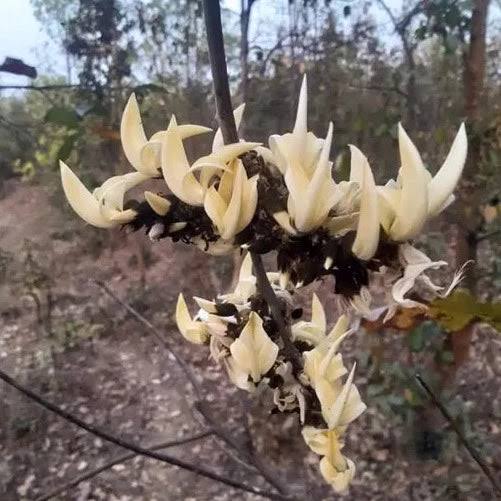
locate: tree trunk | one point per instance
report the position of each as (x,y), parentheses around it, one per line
(467,232)
(474,70)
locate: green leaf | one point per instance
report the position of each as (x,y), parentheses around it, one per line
(63,115)
(460,309)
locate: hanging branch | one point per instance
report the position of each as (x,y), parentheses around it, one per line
(137,449)
(473,453)
(250,460)
(117,460)
(215,42)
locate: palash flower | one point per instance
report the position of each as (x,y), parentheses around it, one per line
(336,469)
(231,206)
(192,330)
(253,352)
(323,361)
(143,154)
(407,203)
(179,175)
(104,207)
(303,160)
(340,404)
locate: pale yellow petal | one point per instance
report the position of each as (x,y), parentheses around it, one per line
(81,199)
(318,313)
(283,219)
(225,154)
(193,331)
(132,133)
(445,180)
(253,351)
(215,207)
(413,204)
(301,124)
(175,167)
(367,236)
(232,214)
(249,203)
(160,205)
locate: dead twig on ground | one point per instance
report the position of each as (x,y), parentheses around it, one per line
(117,460)
(137,449)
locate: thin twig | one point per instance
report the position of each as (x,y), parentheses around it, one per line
(249,461)
(117,460)
(94,430)
(473,452)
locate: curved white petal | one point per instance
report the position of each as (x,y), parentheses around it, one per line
(253,351)
(445,180)
(249,203)
(232,213)
(318,314)
(160,205)
(301,124)
(193,331)
(215,207)
(223,155)
(339,479)
(175,168)
(81,199)
(367,237)
(132,133)
(413,204)
(283,219)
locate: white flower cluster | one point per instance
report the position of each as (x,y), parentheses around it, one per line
(219,183)
(244,339)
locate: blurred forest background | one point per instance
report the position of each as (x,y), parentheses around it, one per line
(428,63)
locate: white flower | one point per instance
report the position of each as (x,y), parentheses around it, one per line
(338,473)
(323,361)
(104,207)
(298,147)
(193,330)
(341,404)
(406,204)
(143,154)
(231,206)
(253,351)
(312,193)
(179,175)
(335,468)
